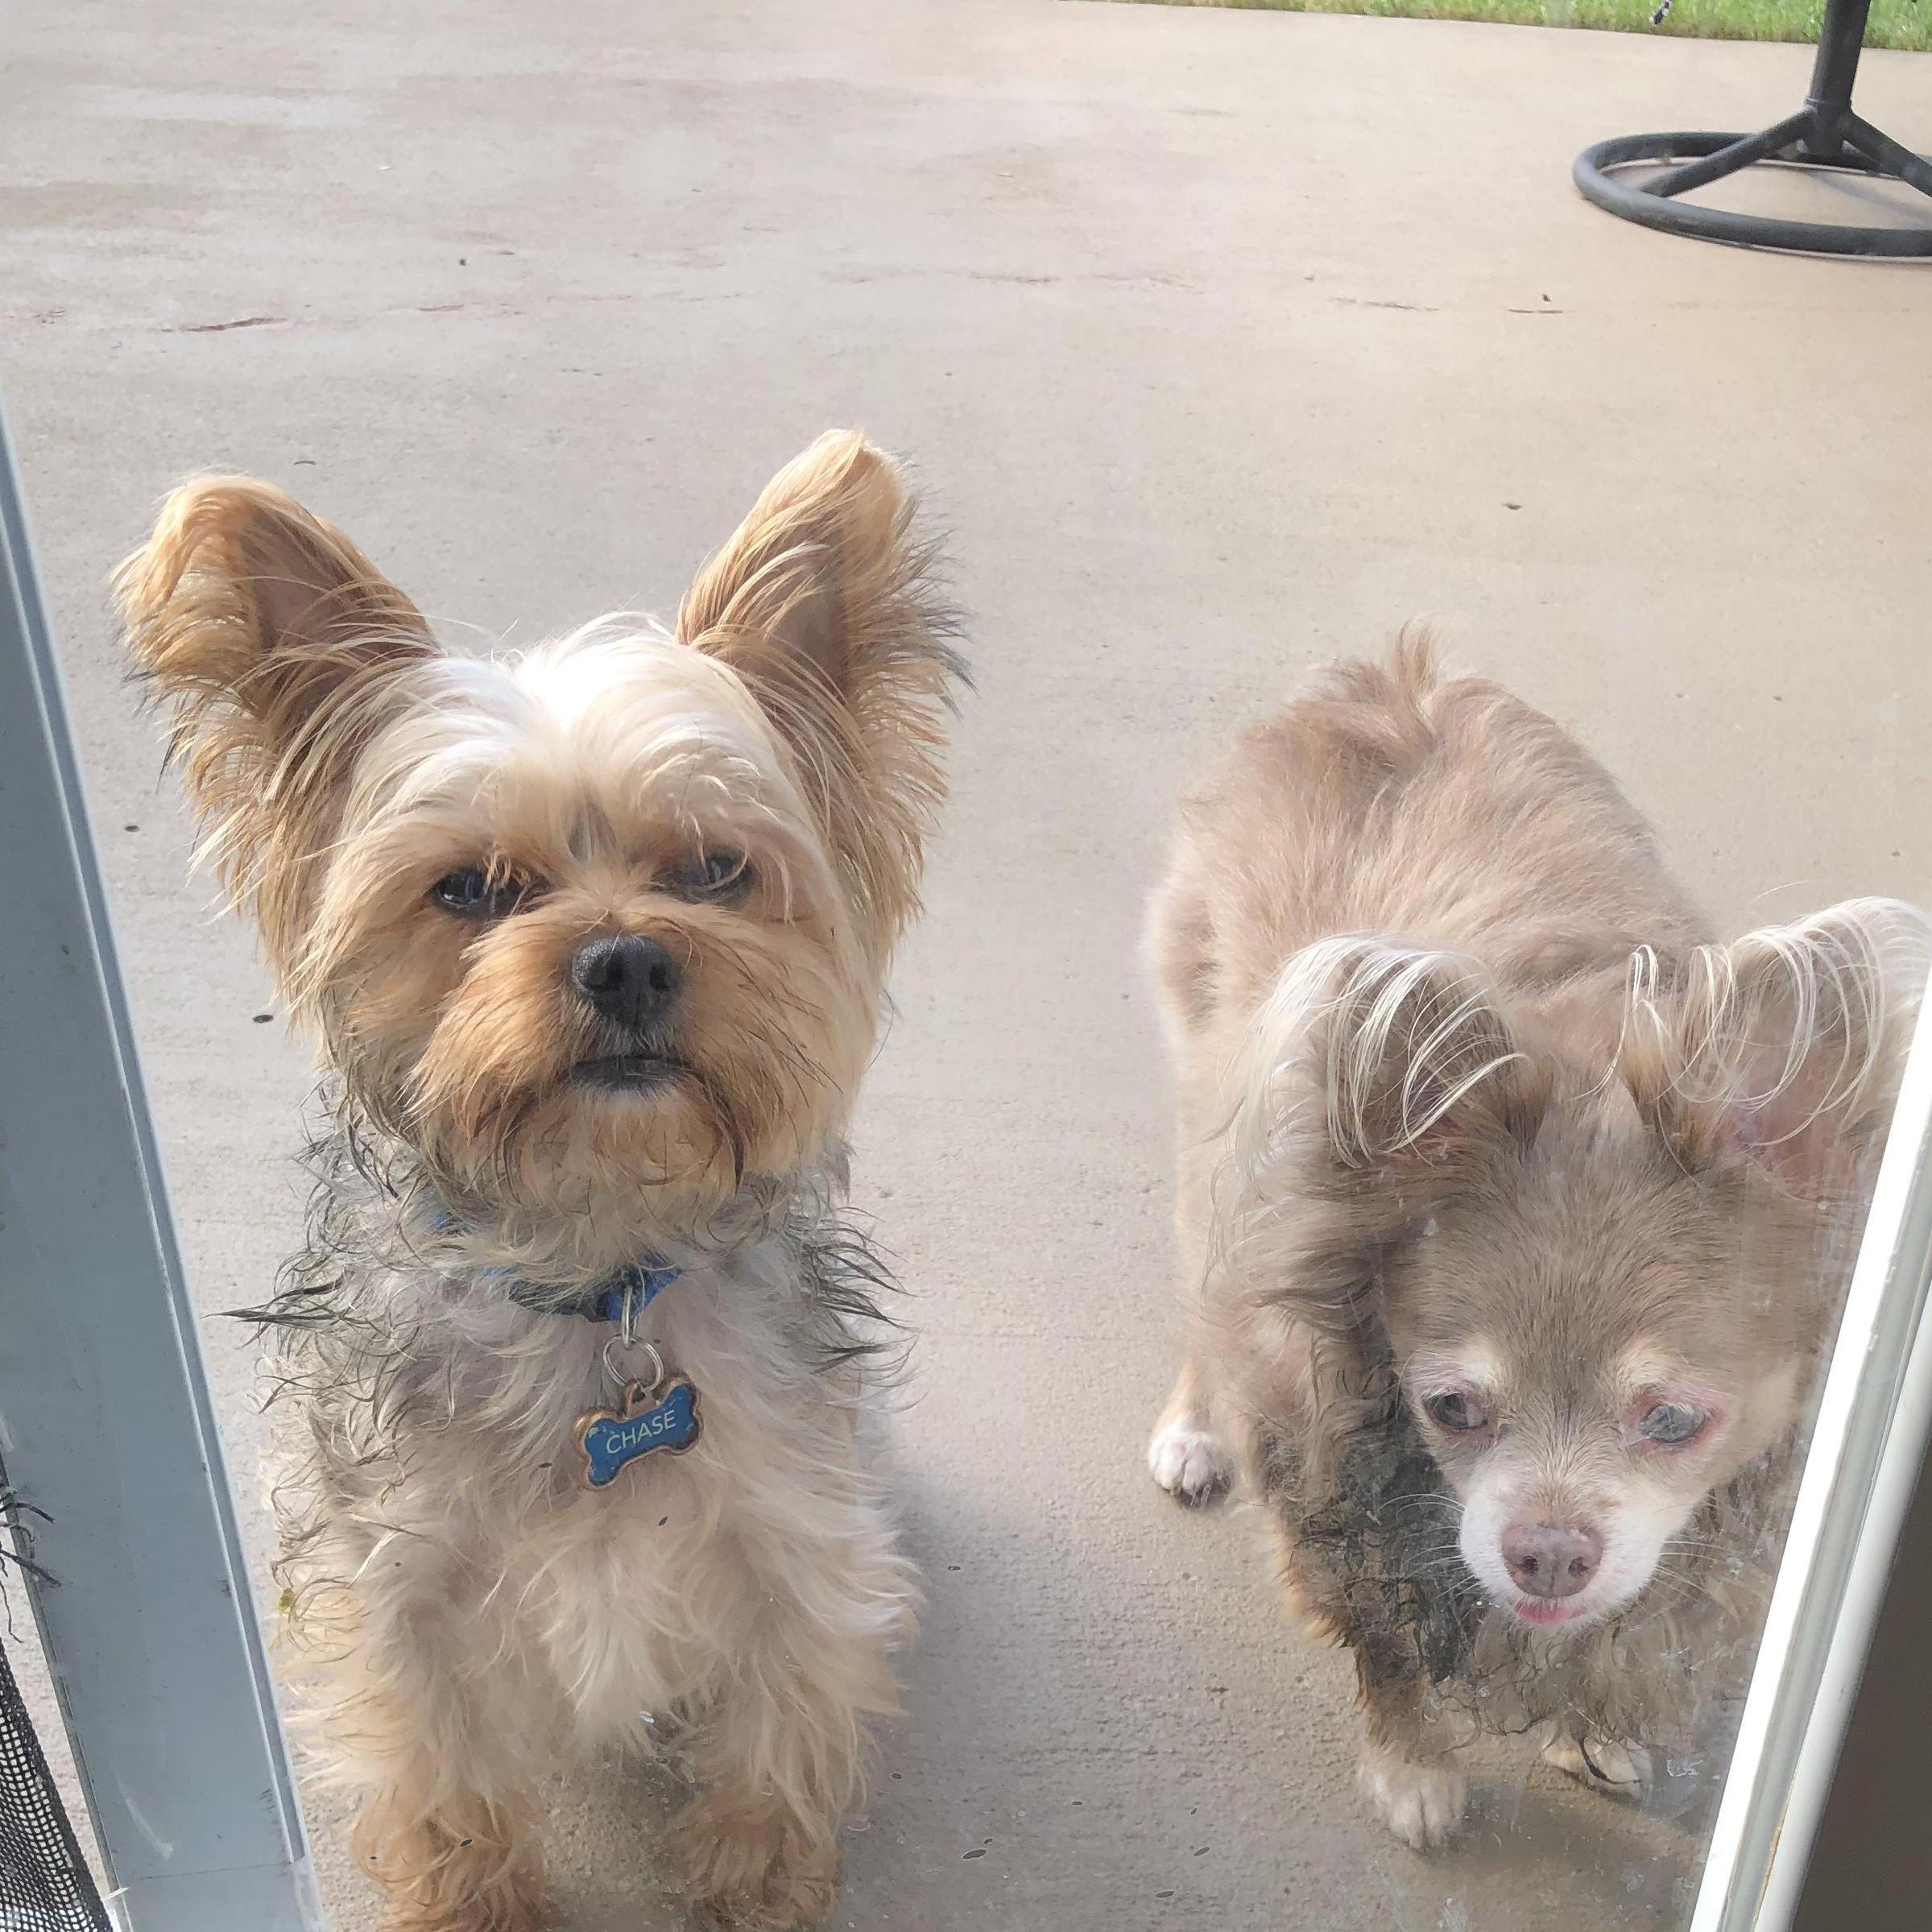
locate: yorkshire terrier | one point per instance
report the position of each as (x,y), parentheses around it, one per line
(1512,1212)
(593,939)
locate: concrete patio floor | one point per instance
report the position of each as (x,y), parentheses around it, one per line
(1225,342)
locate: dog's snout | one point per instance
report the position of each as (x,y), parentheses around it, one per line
(626,977)
(1551,1559)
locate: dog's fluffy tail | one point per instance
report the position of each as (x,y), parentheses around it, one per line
(1380,708)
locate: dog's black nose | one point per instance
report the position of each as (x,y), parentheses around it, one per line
(1551,1559)
(628,979)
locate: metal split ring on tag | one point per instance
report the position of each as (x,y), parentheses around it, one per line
(618,1378)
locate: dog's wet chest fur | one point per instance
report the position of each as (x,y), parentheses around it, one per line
(439,1409)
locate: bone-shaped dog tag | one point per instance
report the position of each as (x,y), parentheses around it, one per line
(663,1417)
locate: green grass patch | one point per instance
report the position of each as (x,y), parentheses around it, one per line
(1900,23)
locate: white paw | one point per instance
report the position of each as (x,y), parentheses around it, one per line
(1422,1804)
(1602,1763)
(1189,1461)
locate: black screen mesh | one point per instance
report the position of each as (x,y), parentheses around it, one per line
(45,1885)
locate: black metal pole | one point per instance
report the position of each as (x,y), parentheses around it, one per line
(1888,154)
(1728,160)
(1841,39)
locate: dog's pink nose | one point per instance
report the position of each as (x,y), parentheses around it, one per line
(1551,1559)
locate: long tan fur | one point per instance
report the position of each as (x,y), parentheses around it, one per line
(430,843)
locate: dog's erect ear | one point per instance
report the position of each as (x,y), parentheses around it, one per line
(276,643)
(824,602)
(1373,1052)
(1785,1046)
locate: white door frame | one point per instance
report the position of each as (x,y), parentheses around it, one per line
(1869,1447)
(149,1629)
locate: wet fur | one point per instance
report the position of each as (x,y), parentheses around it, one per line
(467,1613)
(1419,961)
(428,1440)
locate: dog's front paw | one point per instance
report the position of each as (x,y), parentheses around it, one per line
(754,1871)
(1188,1460)
(1422,1803)
(1604,1764)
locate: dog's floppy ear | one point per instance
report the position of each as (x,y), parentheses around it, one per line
(1382,1078)
(1378,1054)
(1379,1076)
(1784,1047)
(274,642)
(824,602)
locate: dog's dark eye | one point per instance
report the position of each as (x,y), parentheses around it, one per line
(716,876)
(1673,1423)
(1458,1412)
(472,893)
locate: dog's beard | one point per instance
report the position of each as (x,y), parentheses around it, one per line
(671,1152)
(668,1153)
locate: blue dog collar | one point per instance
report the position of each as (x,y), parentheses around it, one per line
(630,1290)
(634,1287)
